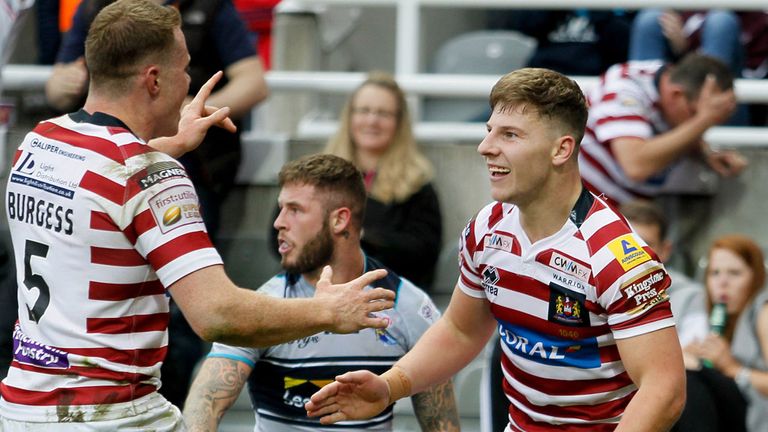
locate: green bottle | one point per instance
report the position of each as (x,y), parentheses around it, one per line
(718,319)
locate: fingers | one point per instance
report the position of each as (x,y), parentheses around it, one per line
(219,117)
(207,88)
(325,276)
(368,278)
(333,418)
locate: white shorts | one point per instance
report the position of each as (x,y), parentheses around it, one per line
(163,418)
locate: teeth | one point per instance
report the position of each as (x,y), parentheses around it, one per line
(498,170)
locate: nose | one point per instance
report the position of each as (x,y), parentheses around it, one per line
(485,147)
(279,220)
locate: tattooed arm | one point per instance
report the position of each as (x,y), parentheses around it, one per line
(435,408)
(215,389)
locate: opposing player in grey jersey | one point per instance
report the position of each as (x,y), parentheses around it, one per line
(322,201)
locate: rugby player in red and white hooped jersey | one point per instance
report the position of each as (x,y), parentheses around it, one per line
(105,228)
(578,298)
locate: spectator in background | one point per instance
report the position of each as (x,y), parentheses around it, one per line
(258,15)
(645,115)
(322,200)
(669,35)
(403,225)
(737,378)
(217,40)
(572,42)
(687,297)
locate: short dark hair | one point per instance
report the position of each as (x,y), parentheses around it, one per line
(647,213)
(692,70)
(125,33)
(551,94)
(335,176)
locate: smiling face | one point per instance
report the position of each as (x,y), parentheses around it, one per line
(304,236)
(373,119)
(518,151)
(729,279)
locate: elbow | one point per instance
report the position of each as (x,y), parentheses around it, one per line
(635,172)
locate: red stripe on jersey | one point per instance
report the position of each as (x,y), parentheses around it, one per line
(177,247)
(522,420)
(91,395)
(496,214)
(128,324)
(103,187)
(522,284)
(608,97)
(116,257)
(543,326)
(609,354)
(555,387)
(595,412)
(611,119)
(594,163)
(102,221)
(89,372)
(16,157)
(469,237)
(607,276)
(658,312)
(116,292)
(143,357)
(93,143)
(470,284)
(141,223)
(605,235)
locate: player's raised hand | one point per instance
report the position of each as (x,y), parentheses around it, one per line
(353,307)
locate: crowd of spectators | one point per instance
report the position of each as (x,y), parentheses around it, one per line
(667,78)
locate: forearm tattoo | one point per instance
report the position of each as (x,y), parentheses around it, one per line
(215,389)
(435,409)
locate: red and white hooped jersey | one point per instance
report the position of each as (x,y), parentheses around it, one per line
(101,225)
(560,304)
(624,104)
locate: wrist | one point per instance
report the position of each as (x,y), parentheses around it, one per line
(743,377)
(398,383)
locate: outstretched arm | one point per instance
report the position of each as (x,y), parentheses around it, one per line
(214,390)
(465,327)
(219,311)
(435,408)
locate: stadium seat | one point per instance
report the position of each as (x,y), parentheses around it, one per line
(484,52)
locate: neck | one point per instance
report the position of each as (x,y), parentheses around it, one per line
(124,108)
(347,262)
(547,214)
(367,160)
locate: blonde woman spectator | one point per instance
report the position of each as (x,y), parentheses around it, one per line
(403,224)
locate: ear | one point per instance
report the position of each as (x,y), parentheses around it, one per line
(340,219)
(151,80)
(564,148)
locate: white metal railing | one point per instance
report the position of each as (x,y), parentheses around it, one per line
(409,14)
(31,77)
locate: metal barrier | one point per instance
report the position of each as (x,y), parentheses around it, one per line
(31,77)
